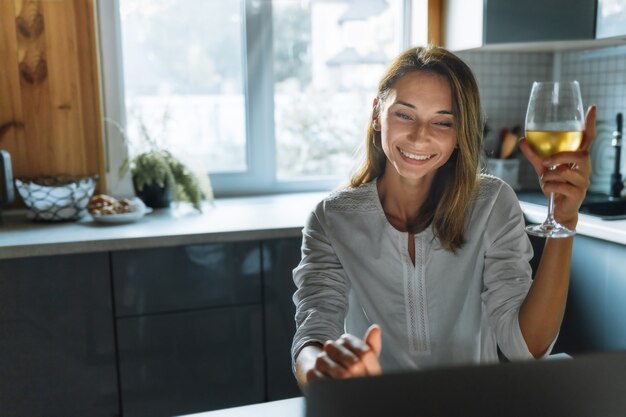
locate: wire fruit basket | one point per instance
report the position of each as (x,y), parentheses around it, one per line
(59,198)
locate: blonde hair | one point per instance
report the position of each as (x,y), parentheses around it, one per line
(455,182)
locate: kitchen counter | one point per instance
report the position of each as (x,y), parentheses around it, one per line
(292,407)
(231,219)
(609,230)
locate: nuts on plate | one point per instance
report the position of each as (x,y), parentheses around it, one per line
(103,204)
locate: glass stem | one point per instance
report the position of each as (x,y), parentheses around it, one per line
(550,219)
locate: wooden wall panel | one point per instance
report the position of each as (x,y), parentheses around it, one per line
(11,126)
(435,19)
(52,113)
(92,115)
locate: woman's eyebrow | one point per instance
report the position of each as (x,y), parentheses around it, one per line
(404,103)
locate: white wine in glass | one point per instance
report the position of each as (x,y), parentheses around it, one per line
(554,123)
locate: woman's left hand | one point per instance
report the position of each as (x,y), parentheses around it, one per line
(569,181)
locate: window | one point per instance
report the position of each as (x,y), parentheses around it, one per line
(183,78)
(265,96)
(328,57)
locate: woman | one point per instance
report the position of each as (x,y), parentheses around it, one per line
(421,253)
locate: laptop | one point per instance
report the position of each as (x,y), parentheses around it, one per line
(587,386)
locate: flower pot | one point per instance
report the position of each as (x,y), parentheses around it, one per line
(155,196)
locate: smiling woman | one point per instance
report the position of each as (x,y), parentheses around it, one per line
(421,253)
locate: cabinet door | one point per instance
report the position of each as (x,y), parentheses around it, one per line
(595,316)
(508,21)
(611,18)
(280,257)
(189,362)
(615,308)
(57,346)
(584,324)
(186,277)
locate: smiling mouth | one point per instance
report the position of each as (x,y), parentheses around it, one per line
(415,157)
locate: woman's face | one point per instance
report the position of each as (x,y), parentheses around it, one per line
(417,125)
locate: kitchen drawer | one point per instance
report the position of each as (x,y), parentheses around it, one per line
(180,363)
(57,344)
(186,277)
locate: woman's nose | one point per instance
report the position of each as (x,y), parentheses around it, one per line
(419,132)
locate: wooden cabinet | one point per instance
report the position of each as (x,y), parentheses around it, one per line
(57,345)
(50,116)
(475,23)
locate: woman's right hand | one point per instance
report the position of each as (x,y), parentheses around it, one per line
(348,357)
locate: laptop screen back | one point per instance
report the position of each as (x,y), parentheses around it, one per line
(588,386)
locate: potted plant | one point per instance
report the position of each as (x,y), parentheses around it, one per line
(158,176)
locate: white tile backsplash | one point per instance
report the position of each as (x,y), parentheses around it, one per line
(602,76)
(505,80)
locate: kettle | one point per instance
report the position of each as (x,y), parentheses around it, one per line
(7,194)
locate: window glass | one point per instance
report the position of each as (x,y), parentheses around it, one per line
(328,58)
(183,63)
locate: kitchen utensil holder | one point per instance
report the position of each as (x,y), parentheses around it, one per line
(505,169)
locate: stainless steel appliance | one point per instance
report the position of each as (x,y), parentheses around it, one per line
(7,194)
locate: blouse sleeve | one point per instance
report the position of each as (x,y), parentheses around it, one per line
(507,274)
(321,297)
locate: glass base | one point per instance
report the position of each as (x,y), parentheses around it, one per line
(552,230)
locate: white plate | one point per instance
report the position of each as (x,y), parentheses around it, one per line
(121,218)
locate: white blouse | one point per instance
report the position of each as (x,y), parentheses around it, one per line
(447,309)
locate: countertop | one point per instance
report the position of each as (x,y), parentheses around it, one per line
(292,407)
(229,219)
(609,230)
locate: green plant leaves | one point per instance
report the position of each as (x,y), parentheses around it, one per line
(162,168)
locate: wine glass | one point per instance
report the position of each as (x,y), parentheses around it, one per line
(554,123)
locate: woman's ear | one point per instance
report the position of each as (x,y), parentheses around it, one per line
(375,115)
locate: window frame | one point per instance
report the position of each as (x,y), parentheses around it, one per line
(258,86)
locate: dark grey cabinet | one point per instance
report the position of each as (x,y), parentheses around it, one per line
(595,317)
(189,362)
(149,332)
(508,21)
(190,328)
(477,23)
(280,257)
(57,345)
(186,277)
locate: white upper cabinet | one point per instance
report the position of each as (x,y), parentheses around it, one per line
(611,19)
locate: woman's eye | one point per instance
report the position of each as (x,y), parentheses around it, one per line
(445,124)
(403,116)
